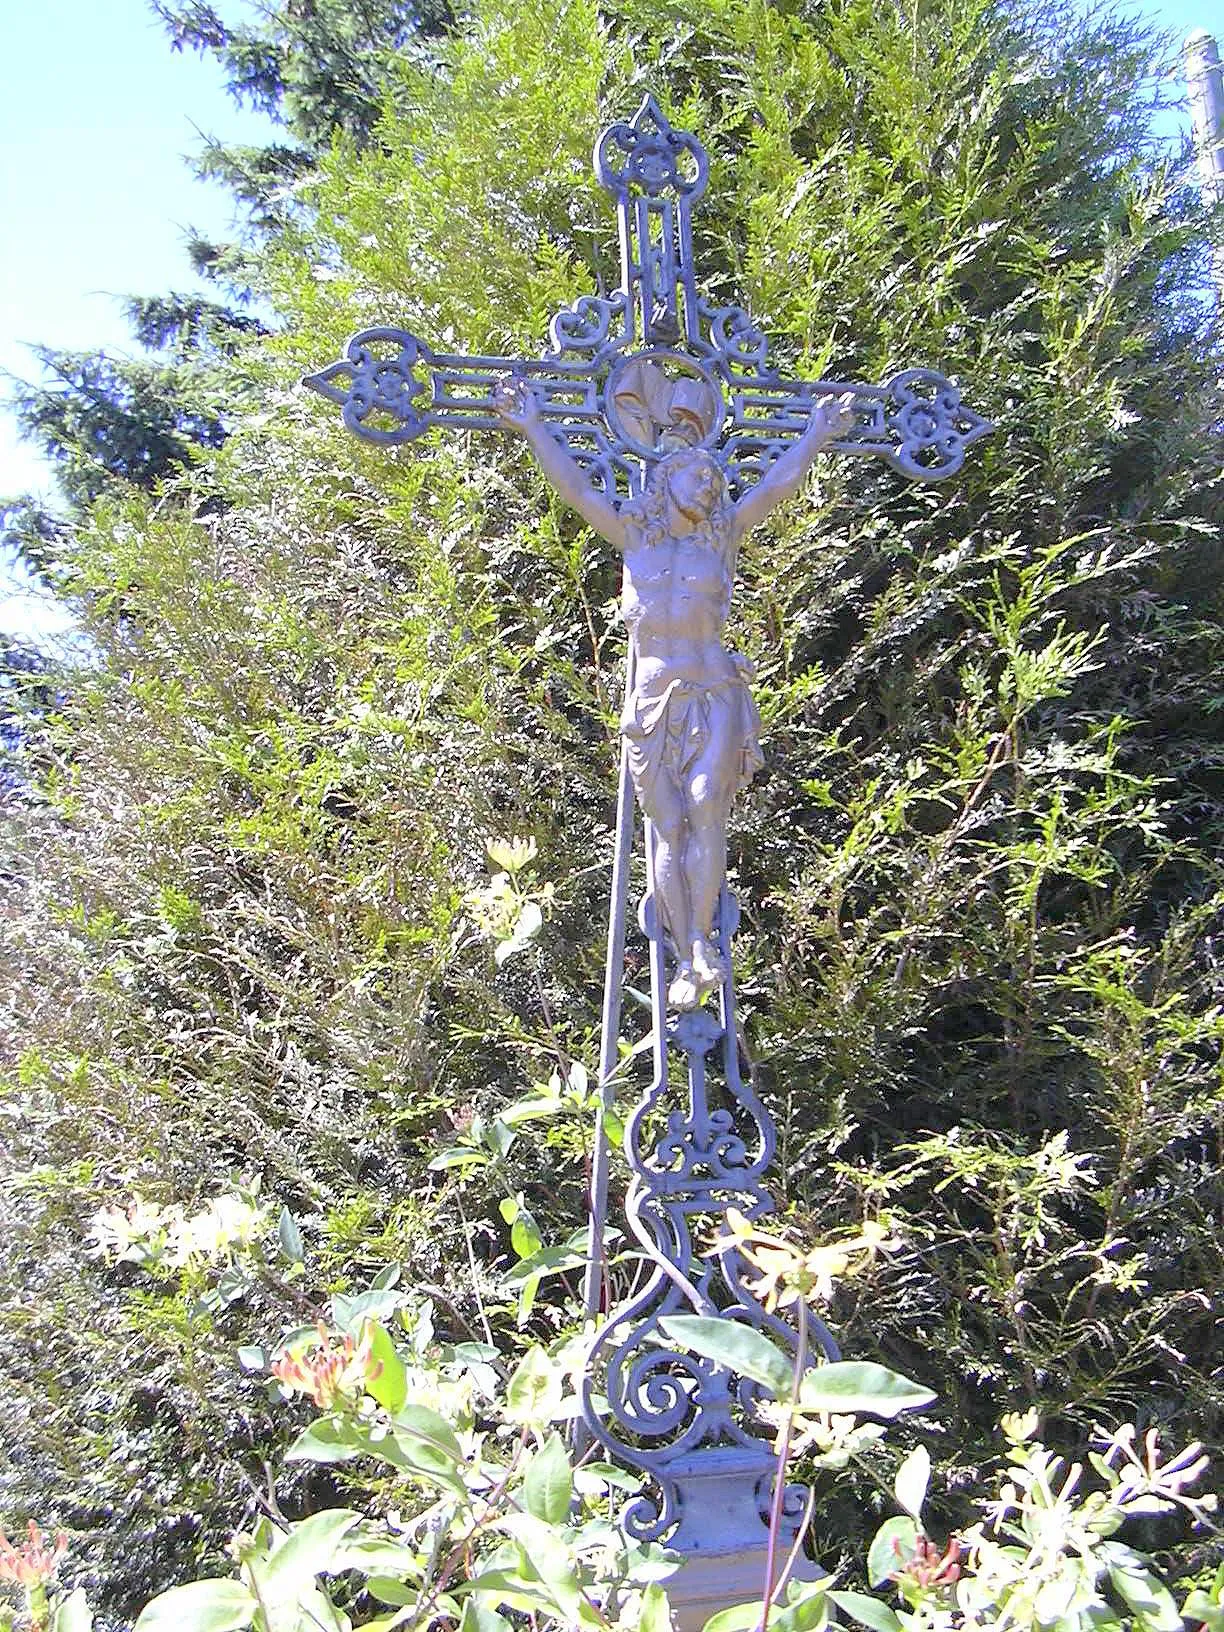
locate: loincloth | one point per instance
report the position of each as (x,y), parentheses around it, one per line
(666,725)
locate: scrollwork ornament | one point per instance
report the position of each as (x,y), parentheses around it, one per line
(590,324)
(652,156)
(369,382)
(738,339)
(933,427)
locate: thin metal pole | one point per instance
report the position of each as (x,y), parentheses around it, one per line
(1205,79)
(614,976)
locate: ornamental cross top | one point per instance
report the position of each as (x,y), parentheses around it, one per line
(652,366)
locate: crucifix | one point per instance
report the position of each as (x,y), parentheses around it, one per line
(658,416)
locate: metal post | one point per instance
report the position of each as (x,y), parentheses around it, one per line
(614,975)
(1205,81)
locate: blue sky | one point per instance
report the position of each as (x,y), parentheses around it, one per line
(97,117)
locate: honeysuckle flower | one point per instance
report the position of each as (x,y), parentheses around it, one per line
(228,1223)
(140,1233)
(31,1563)
(1019,1426)
(512,854)
(330,1368)
(929,1566)
(787,1273)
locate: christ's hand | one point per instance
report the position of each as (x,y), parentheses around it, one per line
(516,405)
(836,414)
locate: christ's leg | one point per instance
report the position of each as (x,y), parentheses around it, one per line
(665,807)
(711,788)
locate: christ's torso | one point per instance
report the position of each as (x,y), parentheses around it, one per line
(675,604)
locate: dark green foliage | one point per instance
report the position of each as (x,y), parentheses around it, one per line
(316,68)
(32,534)
(980,878)
(187,326)
(104,419)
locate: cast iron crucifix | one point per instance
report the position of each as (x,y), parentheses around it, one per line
(659,416)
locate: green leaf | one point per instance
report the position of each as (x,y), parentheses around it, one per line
(592,1477)
(72,1613)
(513,1590)
(527,1297)
(472,1354)
(218,1605)
(732,1344)
(533,1394)
(655,1613)
(478,1617)
(309,1609)
(327,1440)
(232,1284)
(856,1386)
(807,1608)
(1149,1598)
(290,1237)
(387,1276)
(458,1156)
(525,1235)
(388,1590)
(310,1547)
(378,1554)
(869,1612)
(650,1562)
(389,1382)
(529,1108)
(498,1137)
(333,1439)
(571,1254)
(427,1445)
(548,1486)
(911,1482)
(427,1425)
(544,1554)
(738,1618)
(892,1546)
(251,1357)
(351,1313)
(1199,1607)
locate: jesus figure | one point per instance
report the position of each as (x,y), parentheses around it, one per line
(690,725)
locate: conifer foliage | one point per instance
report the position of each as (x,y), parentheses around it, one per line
(245,863)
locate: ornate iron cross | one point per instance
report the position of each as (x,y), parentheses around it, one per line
(392,387)
(650,367)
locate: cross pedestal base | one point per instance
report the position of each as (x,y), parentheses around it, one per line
(714,1581)
(723,1498)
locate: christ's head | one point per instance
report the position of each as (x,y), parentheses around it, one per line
(693,482)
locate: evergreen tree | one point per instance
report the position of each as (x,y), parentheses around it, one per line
(104,419)
(979,875)
(314,69)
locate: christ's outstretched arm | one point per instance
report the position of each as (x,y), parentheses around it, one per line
(829,418)
(516,406)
